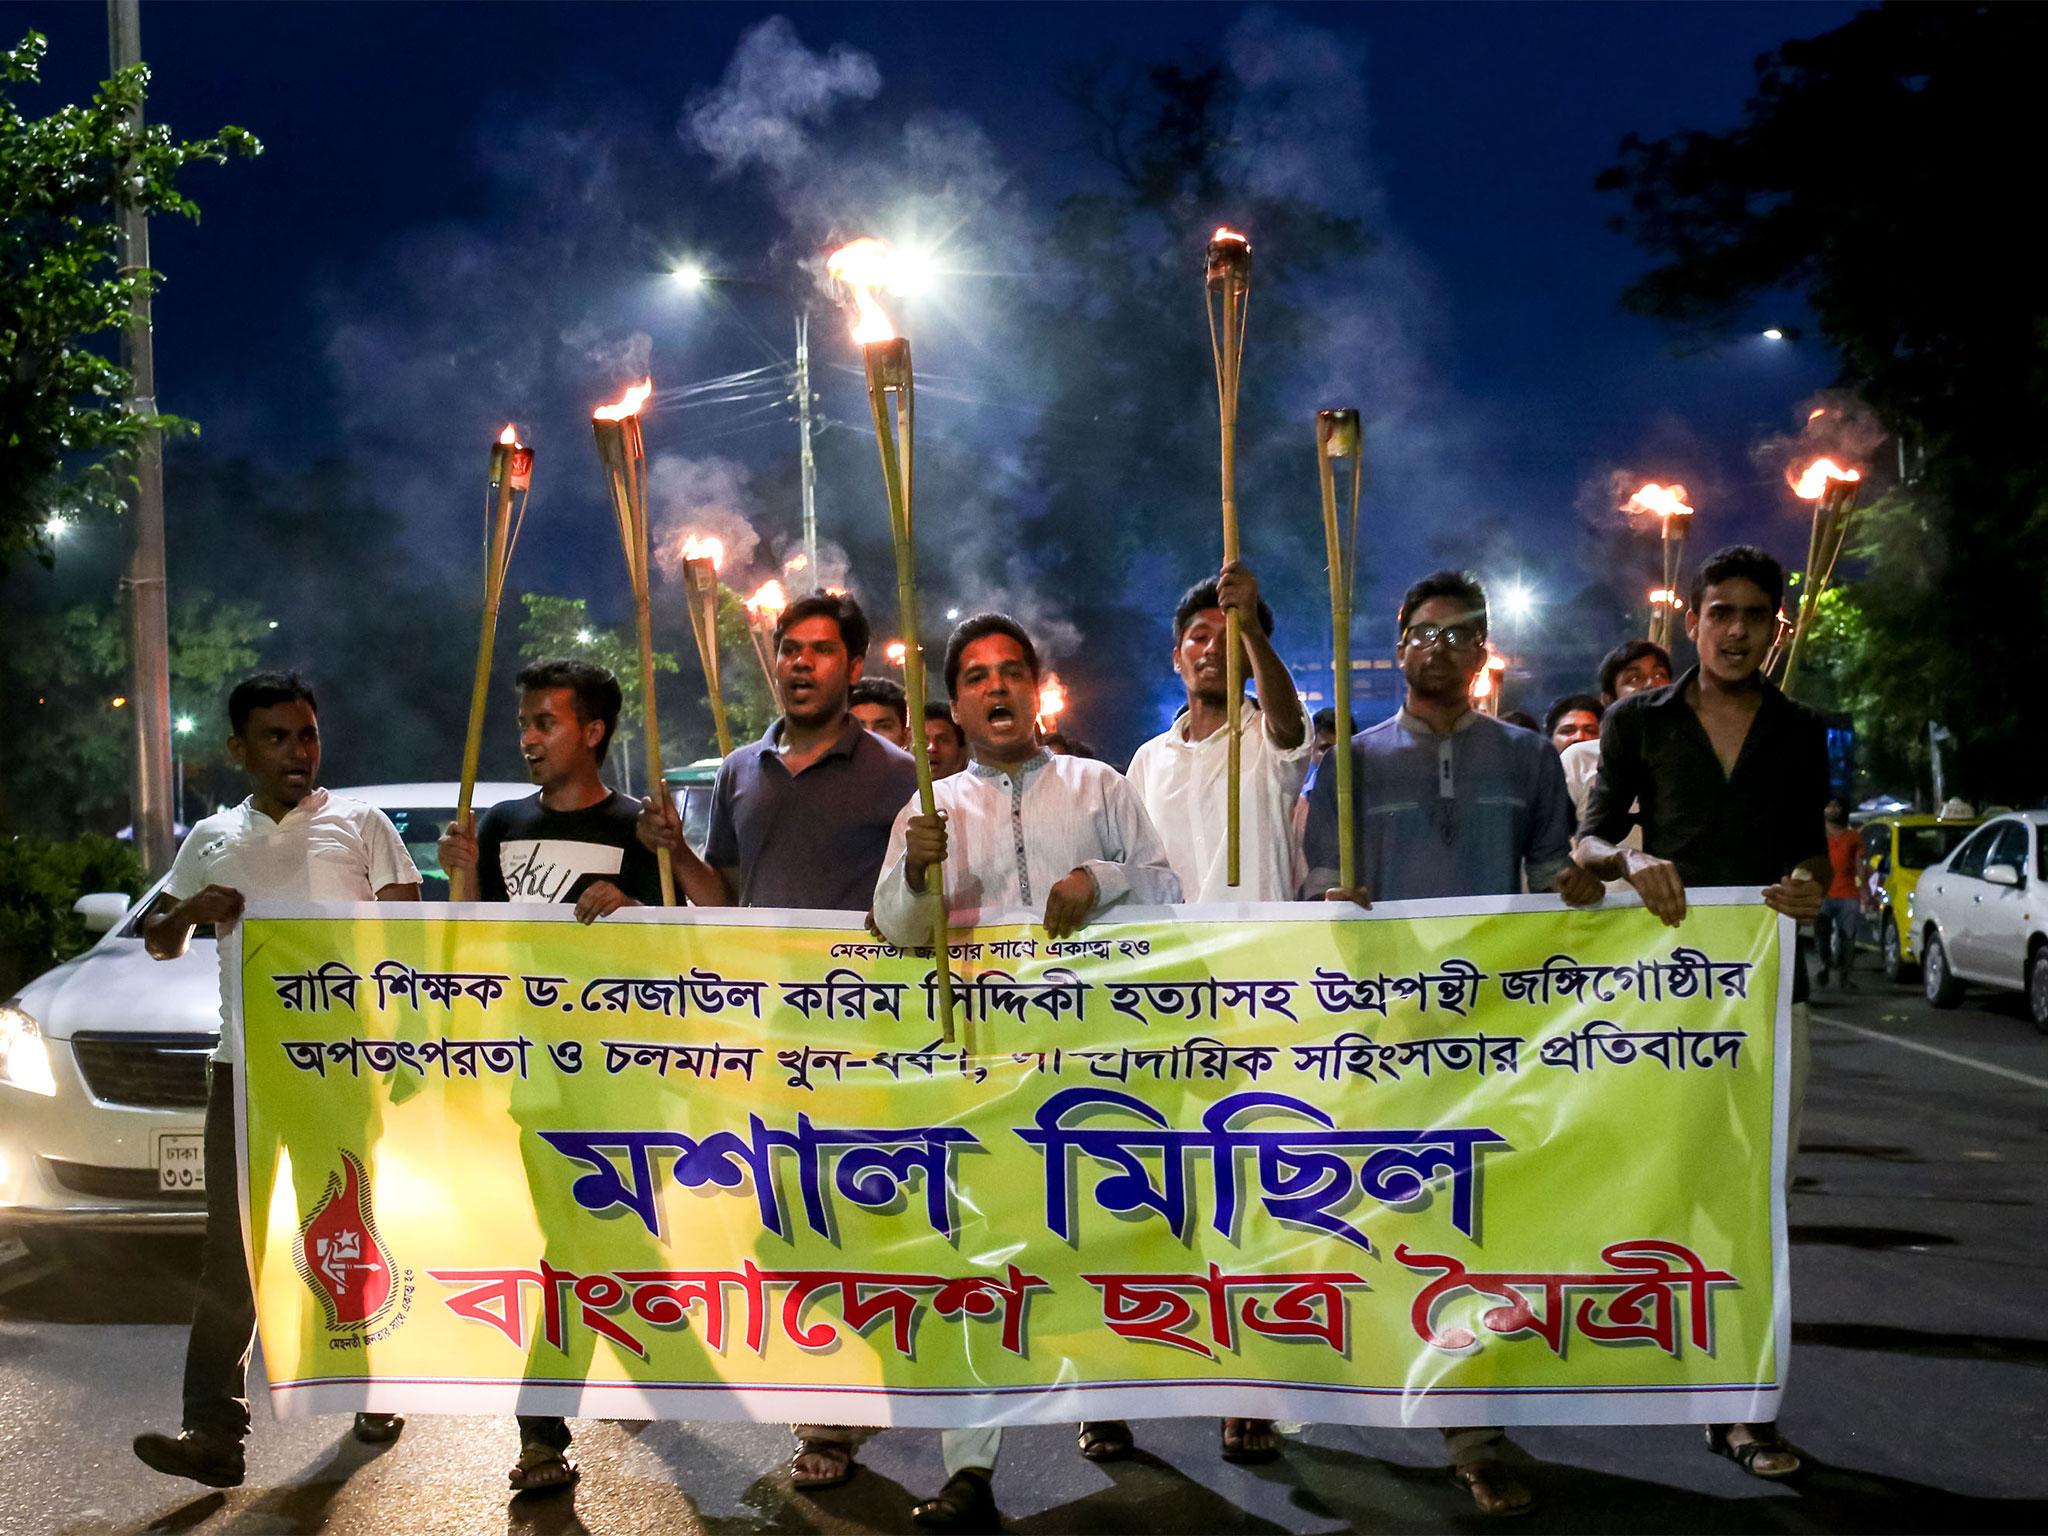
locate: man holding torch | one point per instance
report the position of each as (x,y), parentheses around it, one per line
(1019,827)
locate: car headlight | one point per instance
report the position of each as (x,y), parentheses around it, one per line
(24,1058)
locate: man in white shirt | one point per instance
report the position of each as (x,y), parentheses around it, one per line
(1019,827)
(1183,777)
(1629,668)
(288,841)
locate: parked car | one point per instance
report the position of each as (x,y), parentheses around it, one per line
(1981,914)
(103,1059)
(1896,849)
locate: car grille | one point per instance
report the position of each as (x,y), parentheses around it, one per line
(118,1183)
(147,1071)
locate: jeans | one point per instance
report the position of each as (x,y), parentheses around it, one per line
(224,1319)
(1836,932)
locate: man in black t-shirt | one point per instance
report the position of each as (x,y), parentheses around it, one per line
(573,841)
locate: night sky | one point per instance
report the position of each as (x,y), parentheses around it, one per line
(466,212)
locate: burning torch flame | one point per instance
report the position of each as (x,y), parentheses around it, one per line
(1226,235)
(510,436)
(1812,483)
(895,651)
(1052,697)
(1663,595)
(627,404)
(706,548)
(866,266)
(1484,682)
(768,601)
(1661,500)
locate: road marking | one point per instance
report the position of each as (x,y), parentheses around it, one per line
(1934,1050)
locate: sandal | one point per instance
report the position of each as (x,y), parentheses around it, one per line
(543,1469)
(1495,1490)
(1238,1435)
(837,1453)
(1778,1457)
(1106,1440)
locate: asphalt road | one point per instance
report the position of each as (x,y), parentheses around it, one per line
(1919,1377)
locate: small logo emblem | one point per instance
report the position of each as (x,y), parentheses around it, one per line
(341,1256)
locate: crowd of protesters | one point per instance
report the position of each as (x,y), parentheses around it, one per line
(1653,782)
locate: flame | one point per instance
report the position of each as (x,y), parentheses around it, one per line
(768,601)
(895,651)
(866,266)
(627,404)
(1225,232)
(835,591)
(1812,483)
(1660,500)
(1482,683)
(1666,595)
(706,548)
(510,436)
(1052,697)
(1816,413)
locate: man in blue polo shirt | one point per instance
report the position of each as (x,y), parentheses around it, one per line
(1448,802)
(801,818)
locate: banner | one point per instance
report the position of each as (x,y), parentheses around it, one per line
(1444,1163)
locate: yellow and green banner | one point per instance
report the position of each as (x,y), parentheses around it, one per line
(1484,1162)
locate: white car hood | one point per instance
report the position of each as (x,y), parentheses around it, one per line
(117,987)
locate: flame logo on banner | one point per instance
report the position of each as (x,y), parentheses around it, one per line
(340,1255)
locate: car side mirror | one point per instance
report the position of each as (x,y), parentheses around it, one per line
(2002,874)
(102,910)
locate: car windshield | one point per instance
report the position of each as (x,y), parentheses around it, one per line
(1923,847)
(420,829)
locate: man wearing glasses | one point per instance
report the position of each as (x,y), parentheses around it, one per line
(1451,803)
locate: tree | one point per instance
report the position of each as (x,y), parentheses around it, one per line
(1871,178)
(65,424)
(66,674)
(561,626)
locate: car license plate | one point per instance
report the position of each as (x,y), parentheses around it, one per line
(181,1162)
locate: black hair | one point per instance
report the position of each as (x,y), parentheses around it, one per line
(1325,719)
(885,692)
(1462,585)
(840,609)
(260,690)
(1739,560)
(938,709)
(594,689)
(1627,654)
(1520,717)
(980,627)
(1203,595)
(1560,707)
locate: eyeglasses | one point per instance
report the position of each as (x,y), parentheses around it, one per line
(1457,636)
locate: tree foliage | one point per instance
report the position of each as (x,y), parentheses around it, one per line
(1876,176)
(65,422)
(562,626)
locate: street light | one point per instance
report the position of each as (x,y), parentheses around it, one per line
(1518,602)
(1772,333)
(690,275)
(56,526)
(182,727)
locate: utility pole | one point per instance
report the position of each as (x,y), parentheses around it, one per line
(149,686)
(810,464)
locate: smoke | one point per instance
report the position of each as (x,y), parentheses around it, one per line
(707,497)
(1833,424)
(774,91)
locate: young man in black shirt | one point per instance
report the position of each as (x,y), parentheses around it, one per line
(1731,778)
(574,841)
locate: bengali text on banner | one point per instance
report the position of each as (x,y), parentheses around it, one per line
(1440,1163)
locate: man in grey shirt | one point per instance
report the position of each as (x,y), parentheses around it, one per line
(1448,802)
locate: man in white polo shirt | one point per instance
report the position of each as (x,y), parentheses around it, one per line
(289,841)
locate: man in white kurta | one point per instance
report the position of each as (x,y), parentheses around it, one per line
(1063,837)
(1183,776)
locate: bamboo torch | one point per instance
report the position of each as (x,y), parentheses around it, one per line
(865,266)
(505,509)
(1227,280)
(1339,436)
(624,457)
(763,609)
(1668,505)
(1832,490)
(701,560)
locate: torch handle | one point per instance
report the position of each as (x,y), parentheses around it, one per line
(704,625)
(651,730)
(497,552)
(1233,640)
(1340,661)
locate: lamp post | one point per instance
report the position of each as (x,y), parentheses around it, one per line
(182,727)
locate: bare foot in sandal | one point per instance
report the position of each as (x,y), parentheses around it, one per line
(543,1469)
(1249,1440)
(1756,1448)
(1106,1440)
(820,1464)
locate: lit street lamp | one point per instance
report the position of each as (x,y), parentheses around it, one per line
(182,727)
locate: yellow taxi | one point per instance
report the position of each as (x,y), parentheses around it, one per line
(1896,848)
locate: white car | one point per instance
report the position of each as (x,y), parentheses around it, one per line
(1981,914)
(103,1060)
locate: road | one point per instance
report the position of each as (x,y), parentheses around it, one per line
(1919,1377)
